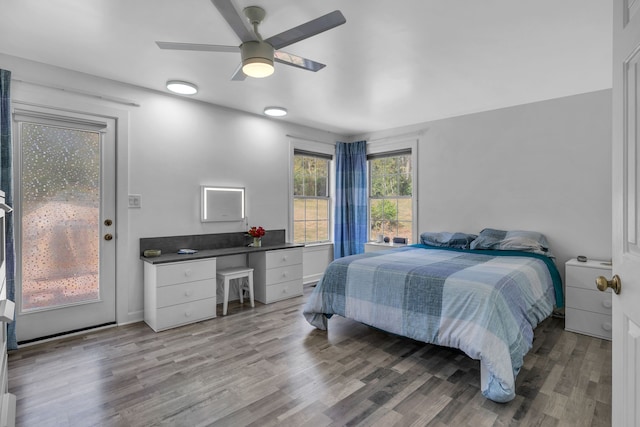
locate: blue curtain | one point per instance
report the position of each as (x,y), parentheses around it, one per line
(350,232)
(6,185)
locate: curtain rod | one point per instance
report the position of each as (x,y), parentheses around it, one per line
(80,92)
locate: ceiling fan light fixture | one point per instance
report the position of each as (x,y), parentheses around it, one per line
(182,87)
(275,111)
(257,59)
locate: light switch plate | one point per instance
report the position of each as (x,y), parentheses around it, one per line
(134,200)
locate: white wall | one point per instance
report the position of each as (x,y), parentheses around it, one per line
(172,145)
(544,166)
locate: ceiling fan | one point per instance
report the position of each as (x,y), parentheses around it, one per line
(257,54)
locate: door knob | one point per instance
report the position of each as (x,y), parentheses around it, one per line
(108,236)
(108,222)
(602,283)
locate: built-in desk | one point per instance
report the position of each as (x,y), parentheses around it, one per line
(181,289)
(215,253)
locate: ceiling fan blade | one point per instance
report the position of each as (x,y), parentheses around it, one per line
(238,75)
(306,30)
(197,47)
(297,61)
(237,22)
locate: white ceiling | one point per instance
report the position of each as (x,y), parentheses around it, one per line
(392,64)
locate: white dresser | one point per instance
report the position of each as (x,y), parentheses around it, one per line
(277,274)
(588,311)
(179,293)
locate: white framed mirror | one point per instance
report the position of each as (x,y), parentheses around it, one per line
(222,203)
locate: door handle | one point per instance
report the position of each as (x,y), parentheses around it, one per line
(108,236)
(602,283)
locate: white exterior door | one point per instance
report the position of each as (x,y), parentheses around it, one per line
(626,213)
(65,225)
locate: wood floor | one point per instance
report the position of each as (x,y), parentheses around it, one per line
(267,366)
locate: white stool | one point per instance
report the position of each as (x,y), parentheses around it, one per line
(229,274)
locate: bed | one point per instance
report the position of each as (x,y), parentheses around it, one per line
(483,301)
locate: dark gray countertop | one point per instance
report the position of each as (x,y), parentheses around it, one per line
(214,253)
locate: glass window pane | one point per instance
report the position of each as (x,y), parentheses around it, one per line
(311,209)
(405,230)
(404,209)
(323,231)
(376,186)
(390,209)
(298,209)
(61,215)
(323,209)
(298,177)
(311,213)
(311,231)
(298,232)
(376,209)
(390,190)
(391,185)
(322,189)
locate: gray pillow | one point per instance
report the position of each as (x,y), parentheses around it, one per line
(446,239)
(514,240)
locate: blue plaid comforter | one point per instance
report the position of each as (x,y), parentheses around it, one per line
(485,303)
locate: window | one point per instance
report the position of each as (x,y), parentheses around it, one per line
(311,201)
(391,195)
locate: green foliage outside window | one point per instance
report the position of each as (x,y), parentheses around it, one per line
(390,196)
(310,199)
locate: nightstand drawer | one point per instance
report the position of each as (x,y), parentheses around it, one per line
(584,299)
(187,271)
(588,323)
(584,276)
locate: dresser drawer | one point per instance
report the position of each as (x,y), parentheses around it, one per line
(283,274)
(284,290)
(186,292)
(181,314)
(584,299)
(186,271)
(586,322)
(283,257)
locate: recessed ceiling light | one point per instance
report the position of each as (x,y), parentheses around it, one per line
(182,87)
(275,111)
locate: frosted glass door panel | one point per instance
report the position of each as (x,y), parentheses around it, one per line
(60,216)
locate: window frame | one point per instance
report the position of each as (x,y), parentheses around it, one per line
(389,147)
(322,150)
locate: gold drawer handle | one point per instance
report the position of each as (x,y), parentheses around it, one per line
(602,283)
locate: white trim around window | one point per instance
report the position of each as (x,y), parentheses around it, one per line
(311,147)
(389,145)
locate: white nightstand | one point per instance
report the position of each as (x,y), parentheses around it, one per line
(588,311)
(375,246)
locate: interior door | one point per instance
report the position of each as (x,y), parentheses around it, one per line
(626,213)
(65,228)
